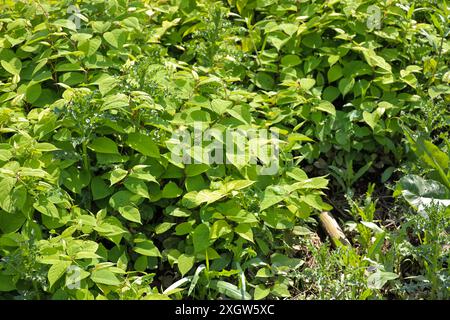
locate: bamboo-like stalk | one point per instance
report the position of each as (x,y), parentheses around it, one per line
(333,229)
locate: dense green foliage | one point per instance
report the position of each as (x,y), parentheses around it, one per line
(93,205)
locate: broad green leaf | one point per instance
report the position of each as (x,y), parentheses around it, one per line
(123,198)
(146,248)
(7,283)
(117,175)
(90,46)
(65,23)
(261,292)
(11,222)
(430,155)
(183,228)
(200,237)
(6,186)
(105,276)
(236,185)
(220,228)
(116,38)
(421,193)
(99,188)
(185,263)
(334,73)
(345,85)
(278,218)
(264,81)
(171,190)
(312,40)
(103,145)
(219,106)
(371,119)
(143,144)
(307,83)
(136,186)
(327,107)
(195,169)
(13,66)
(272,196)
(379,278)
(163,227)
(33,92)
(130,213)
(245,231)
(290,60)
(57,270)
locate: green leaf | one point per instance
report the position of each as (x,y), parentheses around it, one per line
(195,169)
(196,183)
(90,46)
(219,106)
(330,93)
(378,279)
(315,201)
(185,263)
(142,172)
(421,193)
(272,196)
(7,283)
(130,213)
(371,119)
(345,85)
(116,38)
(183,228)
(5,155)
(264,81)
(290,60)
(105,276)
(326,106)
(137,186)
(171,190)
(334,73)
(236,185)
(104,145)
(44,206)
(57,270)
(75,180)
(220,228)
(200,238)
(261,292)
(65,23)
(13,66)
(99,188)
(278,218)
(117,175)
(146,248)
(123,198)
(6,186)
(312,40)
(375,60)
(245,231)
(11,222)
(387,174)
(163,227)
(33,92)
(143,144)
(307,83)
(430,155)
